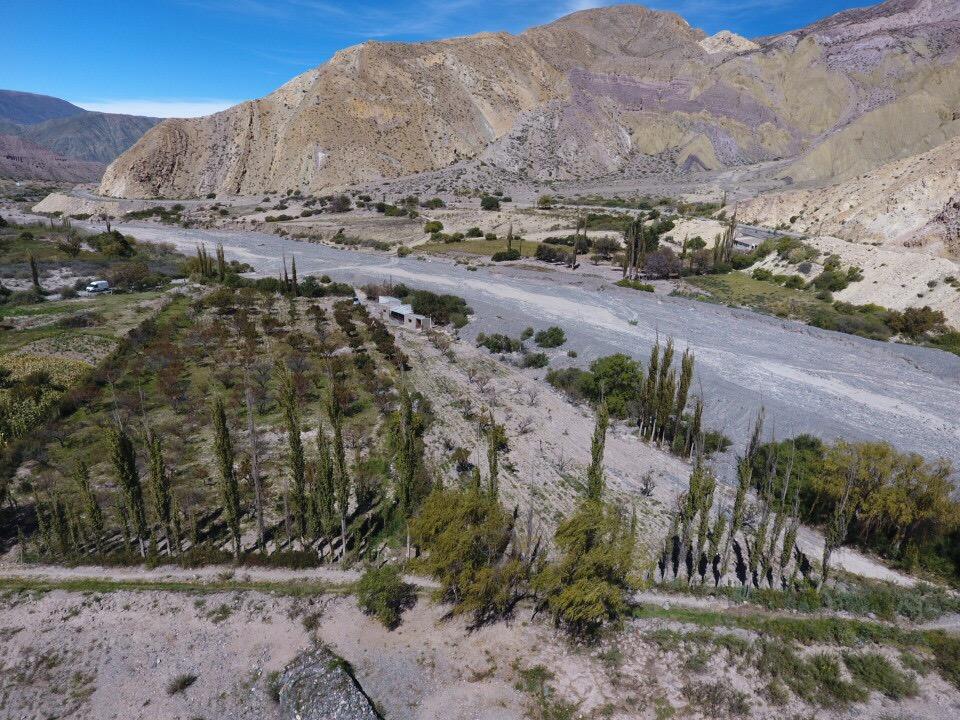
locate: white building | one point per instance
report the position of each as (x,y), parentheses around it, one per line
(403,313)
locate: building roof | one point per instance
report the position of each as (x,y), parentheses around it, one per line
(402,309)
(748,241)
(388,300)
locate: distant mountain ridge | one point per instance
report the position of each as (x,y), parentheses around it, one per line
(78,143)
(619,91)
(23,108)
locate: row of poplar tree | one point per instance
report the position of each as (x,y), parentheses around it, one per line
(317,499)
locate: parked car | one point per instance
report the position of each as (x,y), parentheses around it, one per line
(98,286)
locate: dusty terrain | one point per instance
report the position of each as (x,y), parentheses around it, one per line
(112,654)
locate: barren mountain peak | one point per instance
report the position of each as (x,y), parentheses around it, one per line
(616,90)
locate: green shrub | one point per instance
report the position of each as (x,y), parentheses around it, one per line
(432,226)
(535,360)
(474,232)
(552,337)
(489,202)
(506,255)
(383,593)
(498,343)
(465,535)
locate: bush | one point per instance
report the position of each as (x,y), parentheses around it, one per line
(535,360)
(506,255)
(465,536)
(489,202)
(549,253)
(382,593)
(403,251)
(552,337)
(916,322)
(432,226)
(339,204)
(587,587)
(498,343)
(474,232)
(180,683)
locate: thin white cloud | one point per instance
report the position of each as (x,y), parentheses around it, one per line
(158,108)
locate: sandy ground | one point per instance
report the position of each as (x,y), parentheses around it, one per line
(112,655)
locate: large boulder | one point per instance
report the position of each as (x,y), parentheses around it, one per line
(318,685)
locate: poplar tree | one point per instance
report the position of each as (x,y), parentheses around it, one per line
(160,488)
(716,537)
(341,475)
(90,508)
(291,416)
(407,455)
(124,460)
(790,536)
(229,488)
(683,390)
(35,275)
(255,468)
(744,479)
(493,458)
(650,390)
(836,530)
(221,263)
(595,478)
(665,395)
(705,497)
(326,491)
(295,287)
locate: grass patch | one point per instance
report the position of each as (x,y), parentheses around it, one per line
(874,671)
(103,585)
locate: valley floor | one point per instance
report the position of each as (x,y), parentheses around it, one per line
(810,380)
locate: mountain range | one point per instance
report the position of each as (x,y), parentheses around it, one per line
(619,91)
(46,138)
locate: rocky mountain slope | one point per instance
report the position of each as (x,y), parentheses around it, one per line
(909,203)
(21,159)
(621,91)
(64,134)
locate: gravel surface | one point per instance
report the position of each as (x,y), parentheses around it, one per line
(810,380)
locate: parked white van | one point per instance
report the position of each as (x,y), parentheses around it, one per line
(98,286)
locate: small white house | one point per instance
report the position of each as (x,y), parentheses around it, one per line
(746,243)
(402,313)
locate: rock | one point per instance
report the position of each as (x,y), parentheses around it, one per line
(318,685)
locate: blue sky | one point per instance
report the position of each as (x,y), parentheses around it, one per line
(191,57)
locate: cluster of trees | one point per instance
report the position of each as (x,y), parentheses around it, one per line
(893,503)
(317,493)
(759,539)
(486,562)
(657,399)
